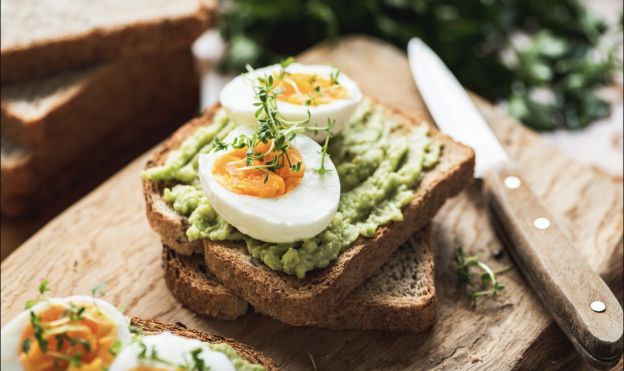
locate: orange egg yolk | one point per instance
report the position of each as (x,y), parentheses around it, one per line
(95,329)
(300,88)
(251,181)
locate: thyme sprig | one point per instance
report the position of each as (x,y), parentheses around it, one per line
(272,126)
(464,270)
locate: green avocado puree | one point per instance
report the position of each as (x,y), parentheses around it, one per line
(239,363)
(379,163)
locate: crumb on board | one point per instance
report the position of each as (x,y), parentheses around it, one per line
(475,358)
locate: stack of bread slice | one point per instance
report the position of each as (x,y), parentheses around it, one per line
(86,81)
(384,282)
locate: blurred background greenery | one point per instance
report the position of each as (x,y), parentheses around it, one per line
(544,59)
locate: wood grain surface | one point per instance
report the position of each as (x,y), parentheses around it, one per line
(105,236)
(554,268)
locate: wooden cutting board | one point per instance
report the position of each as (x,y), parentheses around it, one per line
(105,236)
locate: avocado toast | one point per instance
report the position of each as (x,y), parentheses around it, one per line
(150,327)
(310,300)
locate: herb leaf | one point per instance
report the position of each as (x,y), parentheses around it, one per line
(464,266)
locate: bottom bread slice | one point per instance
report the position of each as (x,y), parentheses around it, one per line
(399,296)
(154,327)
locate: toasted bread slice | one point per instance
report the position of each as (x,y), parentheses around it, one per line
(399,296)
(310,300)
(59,129)
(154,327)
(44,36)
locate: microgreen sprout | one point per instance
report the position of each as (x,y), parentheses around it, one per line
(115,349)
(464,266)
(313,363)
(333,77)
(43,288)
(272,127)
(195,363)
(96,290)
(323,154)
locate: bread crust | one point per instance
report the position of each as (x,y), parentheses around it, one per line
(105,44)
(362,309)
(195,286)
(310,300)
(153,327)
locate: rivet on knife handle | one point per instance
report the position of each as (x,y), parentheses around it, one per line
(573,293)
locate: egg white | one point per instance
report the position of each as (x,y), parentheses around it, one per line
(170,348)
(302,213)
(12,331)
(238,97)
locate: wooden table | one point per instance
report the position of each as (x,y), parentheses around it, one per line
(105,236)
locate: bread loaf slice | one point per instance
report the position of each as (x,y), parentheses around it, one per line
(40,36)
(57,129)
(310,300)
(153,327)
(399,296)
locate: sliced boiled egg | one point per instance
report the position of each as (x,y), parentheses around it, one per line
(88,336)
(169,352)
(289,207)
(307,88)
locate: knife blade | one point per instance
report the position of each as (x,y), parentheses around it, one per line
(576,297)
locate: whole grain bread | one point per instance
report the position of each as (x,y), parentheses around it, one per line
(62,127)
(154,327)
(399,296)
(40,36)
(310,300)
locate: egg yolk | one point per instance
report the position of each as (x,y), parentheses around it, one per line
(88,340)
(251,181)
(301,88)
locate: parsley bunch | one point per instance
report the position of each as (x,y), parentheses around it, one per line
(474,38)
(274,128)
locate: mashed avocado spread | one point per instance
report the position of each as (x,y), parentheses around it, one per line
(239,363)
(379,163)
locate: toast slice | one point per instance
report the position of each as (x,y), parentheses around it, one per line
(399,296)
(310,300)
(154,327)
(44,36)
(70,123)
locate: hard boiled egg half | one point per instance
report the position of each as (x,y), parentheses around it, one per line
(169,352)
(87,335)
(307,88)
(288,207)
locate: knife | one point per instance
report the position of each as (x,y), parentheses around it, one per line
(576,297)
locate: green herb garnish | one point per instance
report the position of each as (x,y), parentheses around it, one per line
(96,290)
(323,154)
(194,363)
(313,363)
(464,270)
(271,127)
